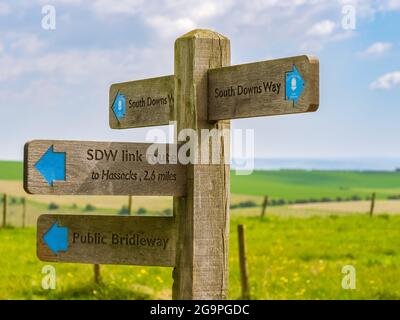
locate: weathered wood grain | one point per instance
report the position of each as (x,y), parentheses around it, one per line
(203,215)
(115,176)
(149,102)
(146,252)
(261,98)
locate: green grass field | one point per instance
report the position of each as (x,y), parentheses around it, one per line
(289,184)
(292,253)
(288,258)
(301,184)
(11,170)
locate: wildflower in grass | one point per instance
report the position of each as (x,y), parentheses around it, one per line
(70,275)
(301,292)
(159,279)
(143,271)
(124,280)
(94,292)
(284,280)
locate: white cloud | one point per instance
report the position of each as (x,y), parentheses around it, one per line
(56,2)
(305,20)
(369,8)
(207,10)
(126,7)
(387,81)
(390,5)
(378,48)
(83,66)
(322,28)
(169,27)
(5,9)
(26,43)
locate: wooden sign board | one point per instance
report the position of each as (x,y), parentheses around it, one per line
(101,168)
(274,87)
(141,103)
(101,239)
(266,88)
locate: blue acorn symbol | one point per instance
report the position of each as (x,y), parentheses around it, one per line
(119,106)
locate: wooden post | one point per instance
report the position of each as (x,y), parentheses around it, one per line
(130,205)
(371,210)
(4,210)
(243,262)
(23,200)
(264,206)
(97,276)
(201,269)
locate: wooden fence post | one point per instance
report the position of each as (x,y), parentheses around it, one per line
(201,268)
(97,276)
(130,205)
(23,200)
(264,206)
(371,210)
(4,210)
(243,262)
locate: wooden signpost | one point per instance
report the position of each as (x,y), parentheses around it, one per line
(264,88)
(141,103)
(104,168)
(205,92)
(101,239)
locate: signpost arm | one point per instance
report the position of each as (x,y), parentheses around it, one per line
(202,216)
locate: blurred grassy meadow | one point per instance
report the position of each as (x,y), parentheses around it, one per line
(316,223)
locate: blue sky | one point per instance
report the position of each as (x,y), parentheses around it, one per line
(54,83)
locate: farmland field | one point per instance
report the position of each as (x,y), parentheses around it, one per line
(11,170)
(288,258)
(302,184)
(296,252)
(280,184)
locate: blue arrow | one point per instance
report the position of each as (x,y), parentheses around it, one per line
(56,238)
(294,85)
(52,166)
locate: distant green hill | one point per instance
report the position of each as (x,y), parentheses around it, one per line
(302,184)
(289,184)
(11,170)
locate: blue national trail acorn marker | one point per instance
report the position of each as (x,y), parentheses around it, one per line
(52,166)
(119,106)
(294,85)
(56,238)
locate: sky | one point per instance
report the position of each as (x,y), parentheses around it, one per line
(54,83)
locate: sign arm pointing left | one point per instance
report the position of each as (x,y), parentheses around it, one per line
(52,166)
(56,238)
